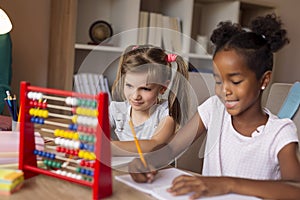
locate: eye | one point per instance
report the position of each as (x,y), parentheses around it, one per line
(146,89)
(218,82)
(128,85)
(236,82)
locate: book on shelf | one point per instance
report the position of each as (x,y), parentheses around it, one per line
(160,30)
(143,27)
(152,29)
(91,83)
(166,33)
(176,39)
(163,181)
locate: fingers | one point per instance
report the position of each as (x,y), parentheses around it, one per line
(187,184)
(141,174)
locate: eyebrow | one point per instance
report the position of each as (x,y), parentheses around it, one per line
(230,75)
(146,85)
(235,74)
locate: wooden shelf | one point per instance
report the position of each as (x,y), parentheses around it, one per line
(199,56)
(98,48)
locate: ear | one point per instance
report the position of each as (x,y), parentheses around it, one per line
(266,79)
(164,87)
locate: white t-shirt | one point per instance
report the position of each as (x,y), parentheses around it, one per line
(233,154)
(119,115)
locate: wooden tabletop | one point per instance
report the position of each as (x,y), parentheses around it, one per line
(43,187)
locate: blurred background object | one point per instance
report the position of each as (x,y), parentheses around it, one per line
(5,57)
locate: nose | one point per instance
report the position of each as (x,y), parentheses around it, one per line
(135,95)
(226,89)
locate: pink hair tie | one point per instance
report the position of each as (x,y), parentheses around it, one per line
(171,57)
(135,47)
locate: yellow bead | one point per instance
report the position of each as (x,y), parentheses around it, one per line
(70,134)
(74,119)
(45,113)
(56,132)
(80,154)
(65,134)
(93,156)
(31,111)
(35,112)
(95,113)
(76,136)
(78,110)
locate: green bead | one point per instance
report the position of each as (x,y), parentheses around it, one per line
(91,138)
(94,104)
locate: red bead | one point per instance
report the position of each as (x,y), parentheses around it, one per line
(72,152)
(68,151)
(85,129)
(40,104)
(35,103)
(88,164)
(74,110)
(82,163)
(63,149)
(79,128)
(58,149)
(44,105)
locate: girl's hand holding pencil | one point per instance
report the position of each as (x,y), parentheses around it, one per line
(142,172)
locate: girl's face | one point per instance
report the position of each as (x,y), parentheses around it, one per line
(236,84)
(140,94)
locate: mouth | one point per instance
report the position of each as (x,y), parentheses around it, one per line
(230,104)
(136,103)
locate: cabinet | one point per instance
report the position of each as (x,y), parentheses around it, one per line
(198,17)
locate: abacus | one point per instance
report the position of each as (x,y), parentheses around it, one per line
(78,152)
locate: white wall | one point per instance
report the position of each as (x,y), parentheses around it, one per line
(287,67)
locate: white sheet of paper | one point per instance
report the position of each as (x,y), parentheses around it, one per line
(163,181)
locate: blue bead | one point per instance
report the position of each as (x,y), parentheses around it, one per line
(47,155)
(40,153)
(35,152)
(36,120)
(81,146)
(88,172)
(32,120)
(82,170)
(91,148)
(75,127)
(52,156)
(41,120)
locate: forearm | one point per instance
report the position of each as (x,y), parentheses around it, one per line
(179,143)
(266,189)
(125,148)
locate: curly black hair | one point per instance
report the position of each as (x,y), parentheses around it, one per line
(256,45)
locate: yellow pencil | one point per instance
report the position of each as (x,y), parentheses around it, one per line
(137,144)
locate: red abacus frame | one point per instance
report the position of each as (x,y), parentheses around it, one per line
(102,179)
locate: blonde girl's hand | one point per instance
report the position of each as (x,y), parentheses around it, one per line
(141,174)
(199,186)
